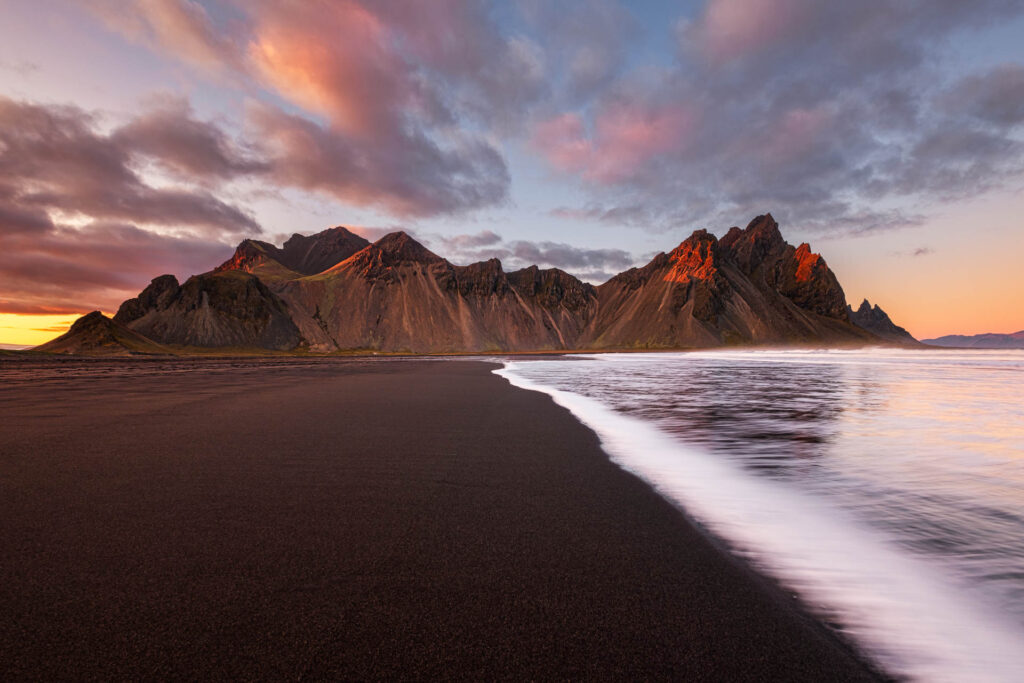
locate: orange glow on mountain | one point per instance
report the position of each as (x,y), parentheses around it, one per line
(807,261)
(692,260)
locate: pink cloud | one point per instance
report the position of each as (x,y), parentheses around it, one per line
(798,132)
(181,27)
(379,90)
(336,61)
(563,141)
(732,29)
(626,137)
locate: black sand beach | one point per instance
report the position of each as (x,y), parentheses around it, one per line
(278,519)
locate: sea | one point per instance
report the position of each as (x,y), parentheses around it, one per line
(884,488)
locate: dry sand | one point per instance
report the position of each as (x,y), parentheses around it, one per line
(293,519)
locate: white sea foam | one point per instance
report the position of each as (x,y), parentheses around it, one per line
(909,617)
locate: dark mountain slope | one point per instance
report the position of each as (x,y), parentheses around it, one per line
(300,255)
(219,309)
(877,322)
(95,334)
(396,295)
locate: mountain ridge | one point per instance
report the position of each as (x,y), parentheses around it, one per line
(986,340)
(336,291)
(875,320)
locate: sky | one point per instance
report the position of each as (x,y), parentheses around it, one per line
(142,137)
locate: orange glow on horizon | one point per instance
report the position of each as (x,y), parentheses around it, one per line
(32,330)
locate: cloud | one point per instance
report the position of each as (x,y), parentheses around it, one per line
(914,253)
(995,97)
(592,265)
(628,135)
(381,96)
(484,238)
(21,68)
(171,135)
(586,43)
(631,215)
(72,200)
(826,114)
(181,27)
(77,270)
(52,159)
(407,176)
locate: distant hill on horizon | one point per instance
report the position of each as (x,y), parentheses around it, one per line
(988,340)
(335,291)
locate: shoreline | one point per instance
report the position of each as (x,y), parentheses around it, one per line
(224,353)
(360,518)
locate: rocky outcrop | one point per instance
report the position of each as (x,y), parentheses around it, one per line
(219,309)
(397,295)
(300,255)
(796,273)
(877,322)
(95,334)
(750,287)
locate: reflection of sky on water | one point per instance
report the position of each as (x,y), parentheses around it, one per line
(928,446)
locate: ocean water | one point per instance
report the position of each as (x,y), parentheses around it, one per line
(884,487)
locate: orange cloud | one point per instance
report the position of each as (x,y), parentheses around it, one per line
(337,62)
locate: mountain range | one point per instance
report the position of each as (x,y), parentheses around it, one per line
(991,340)
(336,291)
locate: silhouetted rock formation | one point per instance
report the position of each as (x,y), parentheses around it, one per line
(336,291)
(877,322)
(989,340)
(95,334)
(219,309)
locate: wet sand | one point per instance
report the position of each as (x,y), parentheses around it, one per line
(353,519)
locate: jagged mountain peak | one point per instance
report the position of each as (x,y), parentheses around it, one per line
(760,241)
(695,258)
(400,246)
(302,254)
(877,322)
(809,264)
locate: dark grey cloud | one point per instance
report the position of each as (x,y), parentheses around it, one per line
(995,97)
(631,215)
(826,114)
(171,135)
(77,270)
(72,199)
(383,94)
(484,238)
(913,253)
(593,265)
(53,158)
(585,43)
(21,68)
(408,175)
